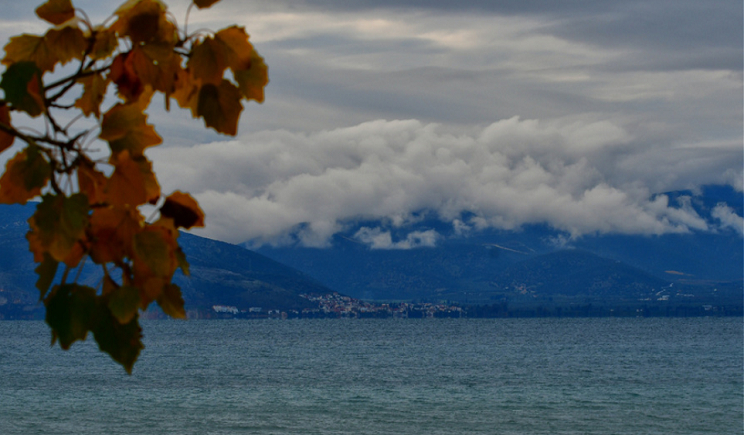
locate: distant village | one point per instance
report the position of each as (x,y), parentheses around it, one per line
(335,305)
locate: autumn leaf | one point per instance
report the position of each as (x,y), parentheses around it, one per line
(67,42)
(104,44)
(220,107)
(124,303)
(56,11)
(128,84)
(94,90)
(69,312)
(125,127)
(30,48)
(208,61)
(236,49)
(171,301)
(58,226)
(6,140)
(252,81)
(123,342)
(21,83)
(144,21)
(111,233)
(91,182)
(46,270)
(132,182)
(183,209)
(202,4)
(24,177)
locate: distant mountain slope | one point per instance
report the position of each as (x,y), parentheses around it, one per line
(221,274)
(464,267)
(578,273)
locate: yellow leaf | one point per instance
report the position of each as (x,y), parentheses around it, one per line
(220,107)
(56,11)
(183,209)
(202,4)
(24,177)
(132,182)
(6,140)
(94,90)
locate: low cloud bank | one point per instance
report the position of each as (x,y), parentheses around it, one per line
(582,176)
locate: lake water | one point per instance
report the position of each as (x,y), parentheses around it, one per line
(395,376)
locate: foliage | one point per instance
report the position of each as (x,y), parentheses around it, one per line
(91,207)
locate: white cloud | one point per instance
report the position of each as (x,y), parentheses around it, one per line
(728,218)
(569,173)
(376,238)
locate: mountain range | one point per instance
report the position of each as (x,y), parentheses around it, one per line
(535,266)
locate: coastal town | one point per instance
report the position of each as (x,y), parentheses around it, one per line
(334,305)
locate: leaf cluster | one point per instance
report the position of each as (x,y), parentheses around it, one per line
(91,208)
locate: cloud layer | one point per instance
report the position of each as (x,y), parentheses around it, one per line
(580,176)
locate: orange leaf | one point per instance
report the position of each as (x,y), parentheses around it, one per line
(94,90)
(253,80)
(24,177)
(208,61)
(128,84)
(183,209)
(132,182)
(144,21)
(91,182)
(67,42)
(56,11)
(186,92)
(111,233)
(6,140)
(155,65)
(58,226)
(30,48)
(125,127)
(105,43)
(202,4)
(171,301)
(220,107)
(236,48)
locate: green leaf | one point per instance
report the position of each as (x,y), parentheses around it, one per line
(69,312)
(46,270)
(21,83)
(123,342)
(124,303)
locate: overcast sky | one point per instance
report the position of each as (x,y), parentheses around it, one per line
(573,113)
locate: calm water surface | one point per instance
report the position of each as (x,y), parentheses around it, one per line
(433,376)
